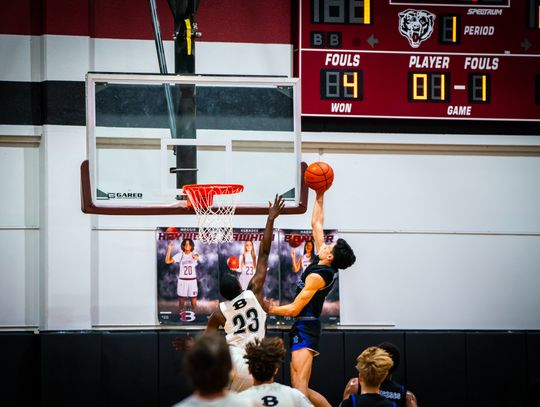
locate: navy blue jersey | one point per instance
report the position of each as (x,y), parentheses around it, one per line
(392,391)
(314,307)
(367,400)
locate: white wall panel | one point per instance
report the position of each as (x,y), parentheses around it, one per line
(138,56)
(442,282)
(434,193)
(15,63)
(66,57)
(19,268)
(19,187)
(126,278)
(65,281)
(69,58)
(243,59)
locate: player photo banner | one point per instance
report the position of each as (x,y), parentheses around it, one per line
(297,252)
(241,256)
(187,275)
(188,271)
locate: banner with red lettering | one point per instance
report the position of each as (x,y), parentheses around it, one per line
(187,276)
(189,272)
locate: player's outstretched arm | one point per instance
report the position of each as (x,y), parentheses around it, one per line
(314,283)
(216,320)
(317,220)
(168,258)
(295,263)
(257,281)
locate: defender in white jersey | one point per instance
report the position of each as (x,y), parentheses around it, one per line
(187,260)
(264,358)
(243,314)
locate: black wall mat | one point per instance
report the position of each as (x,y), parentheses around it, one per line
(327,376)
(533,369)
(129,369)
(496,369)
(436,368)
(173,382)
(19,370)
(327,370)
(70,368)
(357,341)
(96,368)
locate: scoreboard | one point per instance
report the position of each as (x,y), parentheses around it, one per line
(463,59)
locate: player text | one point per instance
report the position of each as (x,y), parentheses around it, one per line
(438,62)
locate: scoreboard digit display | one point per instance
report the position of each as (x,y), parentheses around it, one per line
(464,59)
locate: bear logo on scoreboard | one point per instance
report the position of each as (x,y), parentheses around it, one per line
(416,25)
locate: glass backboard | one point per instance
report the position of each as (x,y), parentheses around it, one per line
(148,135)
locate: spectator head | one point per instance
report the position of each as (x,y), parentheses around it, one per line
(208,364)
(394,353)
(373,365)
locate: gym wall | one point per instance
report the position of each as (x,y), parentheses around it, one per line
(443,216)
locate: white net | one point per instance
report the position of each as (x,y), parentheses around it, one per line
(214,206)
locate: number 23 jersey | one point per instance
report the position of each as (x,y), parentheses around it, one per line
(245,319)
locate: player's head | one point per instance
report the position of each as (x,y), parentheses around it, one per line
(373,365)
(343,255)
(393,351)
(264,358)
(229,287)
(248,246)
(308,247)
(208,363)
(187,245)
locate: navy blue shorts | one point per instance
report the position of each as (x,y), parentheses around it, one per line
(305,333)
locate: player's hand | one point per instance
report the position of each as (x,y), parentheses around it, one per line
(183,344)
(276,208)
(351,388)
(270,303)
(196,256)
(171,245)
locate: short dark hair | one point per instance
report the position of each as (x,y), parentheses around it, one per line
(208,363)
(229,287)
(393,351)
(263,357)
(183,244)
(343,255)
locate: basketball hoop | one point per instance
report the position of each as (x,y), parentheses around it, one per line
(214,205)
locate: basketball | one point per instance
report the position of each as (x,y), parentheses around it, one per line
(171,233)
(233,263)
(319,176)
(295,241)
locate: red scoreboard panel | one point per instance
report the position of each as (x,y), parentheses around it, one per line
(464,59)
